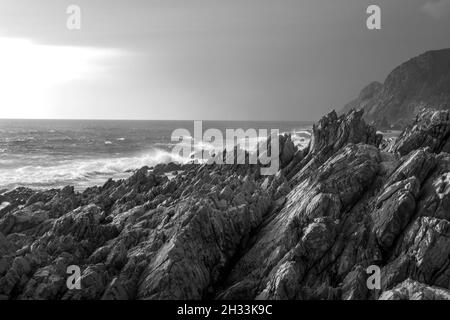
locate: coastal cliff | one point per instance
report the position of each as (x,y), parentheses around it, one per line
(348,201)
(420,82)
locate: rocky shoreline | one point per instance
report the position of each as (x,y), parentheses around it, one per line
(348,201)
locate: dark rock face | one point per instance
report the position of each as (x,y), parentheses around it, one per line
(430,129)
(395,206)
(226,232)
(330,134)
(423,81)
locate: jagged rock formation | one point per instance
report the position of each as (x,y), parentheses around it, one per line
(423,81)
(413,290)
(430,129)
(226,232)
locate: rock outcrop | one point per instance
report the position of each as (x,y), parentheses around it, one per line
(413,290)
(225,232)
(430,129)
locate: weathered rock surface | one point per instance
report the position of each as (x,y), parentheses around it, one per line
(226,232)
(413,290)
(430,129)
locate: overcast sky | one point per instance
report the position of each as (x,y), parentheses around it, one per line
(204,59)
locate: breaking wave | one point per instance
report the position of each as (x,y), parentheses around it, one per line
(91,158)
(82,173)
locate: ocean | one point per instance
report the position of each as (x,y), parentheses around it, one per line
(83,153)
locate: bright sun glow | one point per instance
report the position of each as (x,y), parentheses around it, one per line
(31,72)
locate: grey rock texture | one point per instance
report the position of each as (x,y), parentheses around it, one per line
(413,290)
(225,232)
(431,129)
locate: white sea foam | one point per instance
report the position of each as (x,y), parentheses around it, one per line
(300,138)
(82,173)
(300,142)
(303,132)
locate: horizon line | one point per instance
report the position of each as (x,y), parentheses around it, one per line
(105,119)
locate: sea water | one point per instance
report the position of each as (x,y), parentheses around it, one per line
(84,153)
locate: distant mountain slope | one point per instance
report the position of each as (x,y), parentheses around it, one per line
(420,82)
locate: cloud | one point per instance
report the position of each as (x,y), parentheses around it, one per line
(436,9)
(31,72)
